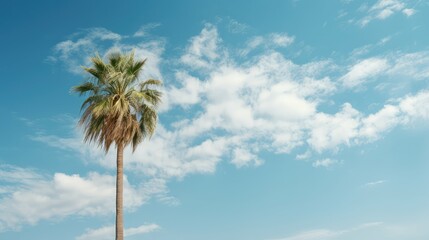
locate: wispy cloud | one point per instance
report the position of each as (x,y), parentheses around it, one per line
(145,29)
(273,40)
(235,26)
(326,163)
(76,52)
(384,9)
(106,233)
(73,53)
(374,183)
(363,71)
(319,234)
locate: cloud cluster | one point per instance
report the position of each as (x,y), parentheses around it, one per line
(233,109)
(271,101)
(223,109)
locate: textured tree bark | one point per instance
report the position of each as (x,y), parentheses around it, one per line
(119,192)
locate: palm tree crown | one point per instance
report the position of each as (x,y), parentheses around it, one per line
(119,109)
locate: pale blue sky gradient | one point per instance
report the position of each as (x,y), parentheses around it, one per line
(281,120)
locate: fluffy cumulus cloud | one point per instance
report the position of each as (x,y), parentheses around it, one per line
(384,9)
(273,102)
(28,197)
(233,109)
(329,131)
(203,49)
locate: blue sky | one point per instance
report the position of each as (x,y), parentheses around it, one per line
(281,120)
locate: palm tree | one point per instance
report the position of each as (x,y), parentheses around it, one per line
(119,109)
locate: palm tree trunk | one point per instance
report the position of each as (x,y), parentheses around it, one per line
(119,192)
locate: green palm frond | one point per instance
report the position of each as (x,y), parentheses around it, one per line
(150,82)
(86,87)
(115,111)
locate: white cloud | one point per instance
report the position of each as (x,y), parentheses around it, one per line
(165,156)
(145,29)
(270,41)
(236,27)
(410,65)
(409,12)
(77,51)
(376,124)
(106,233)
(331,131)
(265,103)
(326,163)
(267,99)
(314,234)
(188,93)
(324,234)
(203,49)
(28,197)
(415,106)
(74,53)
(363,71)
(368,48)
(384,9)
(243,157)
(281,39)
(375,183)
(388,70)
(281,105)
(304,155)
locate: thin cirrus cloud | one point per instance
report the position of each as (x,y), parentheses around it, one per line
(326,163)
(106,233)
(75,53)
(319,234)
(384,9)
(392,68)
(374,183)
(145,29)
(273,40)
